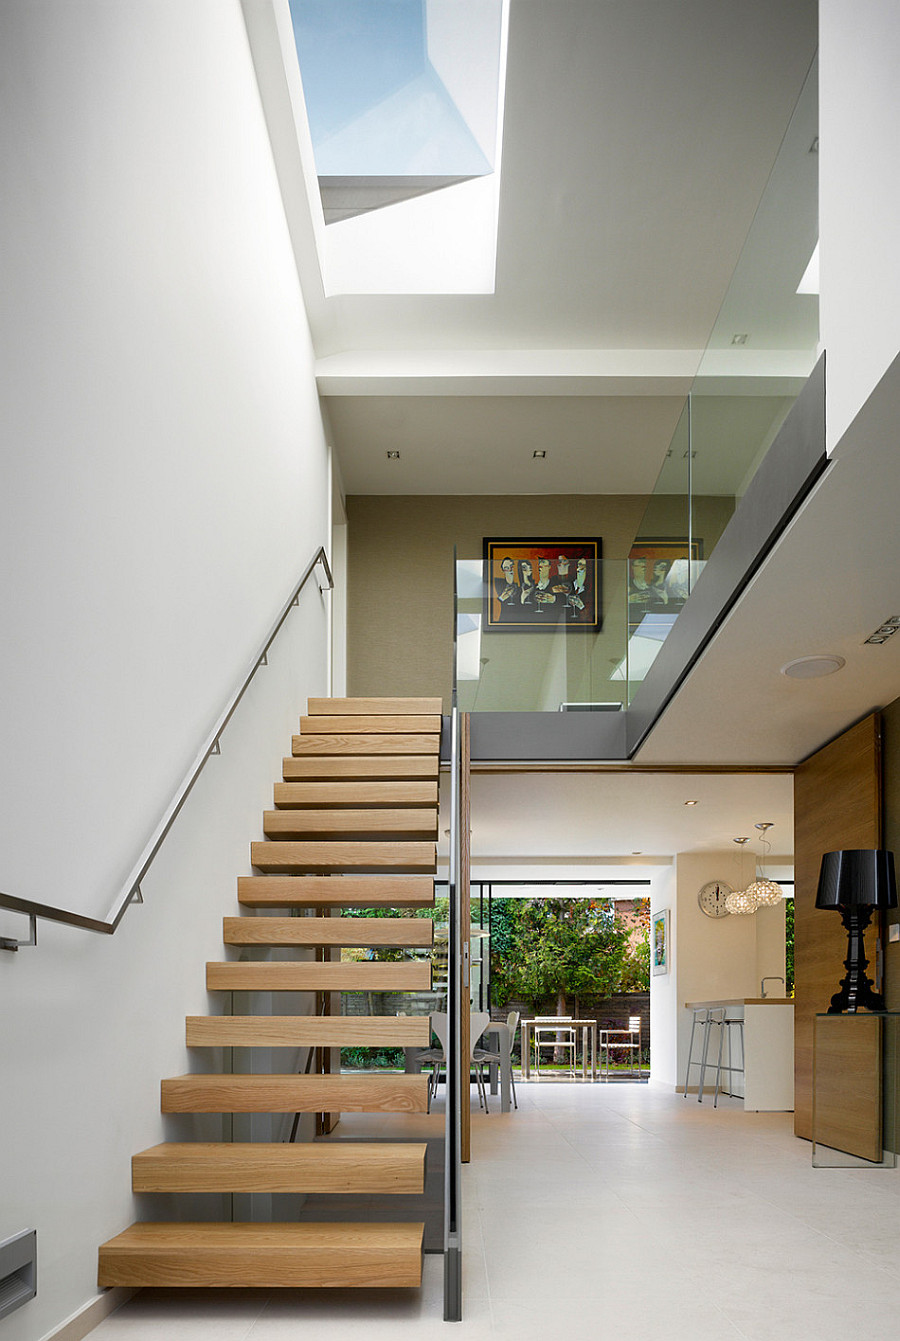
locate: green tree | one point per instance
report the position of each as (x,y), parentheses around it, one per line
(636,966)
(558,947)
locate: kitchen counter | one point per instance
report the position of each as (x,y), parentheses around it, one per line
(768,1049)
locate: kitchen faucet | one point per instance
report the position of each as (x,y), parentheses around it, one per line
(762,985)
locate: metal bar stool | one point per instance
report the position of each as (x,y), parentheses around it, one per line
(725,1032)
(701,1017)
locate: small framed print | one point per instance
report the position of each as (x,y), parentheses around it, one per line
(659,942)
(542,584)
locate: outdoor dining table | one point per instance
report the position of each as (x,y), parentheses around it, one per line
(588,1029)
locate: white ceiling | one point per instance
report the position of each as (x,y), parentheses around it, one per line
(620,825)
(638,139)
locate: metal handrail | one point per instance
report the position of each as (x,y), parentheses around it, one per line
(131,889)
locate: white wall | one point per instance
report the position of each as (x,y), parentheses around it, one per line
(859,200)
(664,988)
(164,482)
(164,471)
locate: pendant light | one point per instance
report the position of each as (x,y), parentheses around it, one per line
(768,893)
(742,901)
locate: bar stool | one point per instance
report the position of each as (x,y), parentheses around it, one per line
(725,1032)
(701,1016)
(707,1017)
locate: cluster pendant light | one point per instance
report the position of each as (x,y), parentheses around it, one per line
(761,893)
(741,902)
(766,892)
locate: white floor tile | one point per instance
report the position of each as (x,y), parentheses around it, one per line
(619,1211)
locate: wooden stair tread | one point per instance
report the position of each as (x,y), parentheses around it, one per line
(396,766)
(371,723)
(370,823)
(396,743)
(335,891)
(287,976)
(365,1093)
(266,1255)
(354,794)
(392,932)
(322,1031)
(390,707)
(281,855)
(347,1166)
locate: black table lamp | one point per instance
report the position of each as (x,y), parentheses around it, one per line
(854,883)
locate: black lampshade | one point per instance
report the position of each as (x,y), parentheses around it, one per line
(857,878)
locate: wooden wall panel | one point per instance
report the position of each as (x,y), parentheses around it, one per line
(837,804)
(848,1085)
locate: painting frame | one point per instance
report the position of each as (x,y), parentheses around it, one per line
(660,942)
(541,583)
(658,574)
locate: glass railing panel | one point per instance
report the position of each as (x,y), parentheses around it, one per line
(544,659)
(760,353)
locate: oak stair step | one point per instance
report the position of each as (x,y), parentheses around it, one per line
(391,932)
(388,707)
(347,1167)
(302,1031)
(365,1093)
(397,743)
(372,723)
(288,976)
(350,793)
(335,891)
(355,824)
(349,855)
(264,1255)
(363,766)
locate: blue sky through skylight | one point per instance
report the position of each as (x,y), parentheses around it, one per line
(375,103)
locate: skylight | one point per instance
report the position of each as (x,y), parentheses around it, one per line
(404,100)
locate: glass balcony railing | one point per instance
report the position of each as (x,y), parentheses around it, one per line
(528,652)
(762,349)
(518,651)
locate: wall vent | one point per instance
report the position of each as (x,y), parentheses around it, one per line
(18,1271)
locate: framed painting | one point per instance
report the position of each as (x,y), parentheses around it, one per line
(553,582)
(660,573)
(659,942)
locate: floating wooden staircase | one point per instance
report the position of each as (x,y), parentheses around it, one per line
(354,826)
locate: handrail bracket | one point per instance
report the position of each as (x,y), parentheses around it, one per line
(7,942)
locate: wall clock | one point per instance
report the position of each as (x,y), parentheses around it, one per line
(712,898)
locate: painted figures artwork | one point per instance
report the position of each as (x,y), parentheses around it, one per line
(535,584)
(660,574)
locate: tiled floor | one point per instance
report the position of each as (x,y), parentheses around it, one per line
(619,1211)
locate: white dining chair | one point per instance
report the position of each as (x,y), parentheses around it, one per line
(487,1057)
(433,1057)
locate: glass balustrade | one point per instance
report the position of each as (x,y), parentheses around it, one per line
(539,658)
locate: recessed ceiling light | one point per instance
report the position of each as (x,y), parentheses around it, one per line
(690,803)
(812,668)
(538,456)
(740,339)
(393,456)
(885,630)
